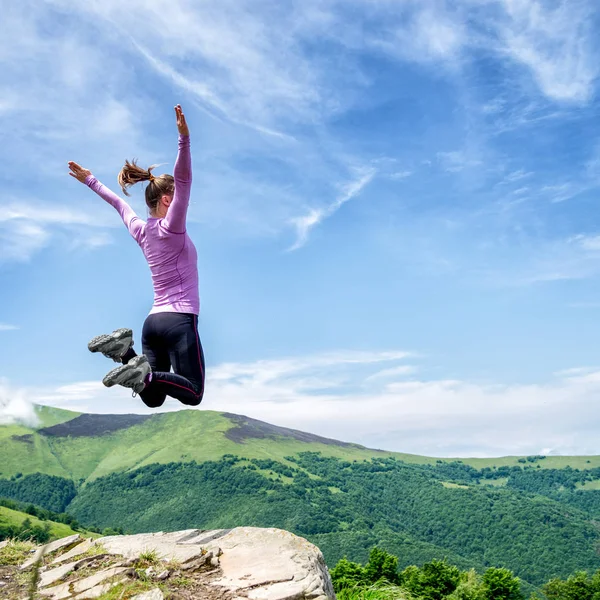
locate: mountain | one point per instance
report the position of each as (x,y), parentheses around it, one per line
(86,446)
(15,523)
(202,469)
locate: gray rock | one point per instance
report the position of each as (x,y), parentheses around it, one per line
(95,592)
(168,546)
(255,563)
(272,564)
(79,549)
(51,576)
(3,543)
(154,594)
(96,579)
(197,562)
(163,575)
(49,549)
(58,592)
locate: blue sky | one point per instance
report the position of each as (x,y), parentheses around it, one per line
(394,206)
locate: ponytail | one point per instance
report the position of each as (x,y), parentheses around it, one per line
(157,187)
(131,174)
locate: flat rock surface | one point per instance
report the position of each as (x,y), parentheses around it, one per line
(94,592)
(97,578)
(223,564)
(53,575)
(50,548)
(79,549)
(154,594)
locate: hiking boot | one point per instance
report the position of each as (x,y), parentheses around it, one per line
(134,374)
(112,345)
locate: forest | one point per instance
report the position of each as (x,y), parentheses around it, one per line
(538,523)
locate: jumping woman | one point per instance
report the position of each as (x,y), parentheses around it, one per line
(170,332)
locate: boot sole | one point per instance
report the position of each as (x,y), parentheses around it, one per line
(106,342)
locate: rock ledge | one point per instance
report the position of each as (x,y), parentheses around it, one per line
(224,564)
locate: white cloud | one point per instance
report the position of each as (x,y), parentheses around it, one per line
(241,63)
(553,41)
(15,406)
(348,191)
(398,175)
(457,161)
(401,371)
(347,396)
(588,242)
(28,227)
(20,240)
(8,327)
(514,176)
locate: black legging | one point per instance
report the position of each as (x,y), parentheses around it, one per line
(171,339)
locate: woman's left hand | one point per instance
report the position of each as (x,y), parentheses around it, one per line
(181,123)
(78,172)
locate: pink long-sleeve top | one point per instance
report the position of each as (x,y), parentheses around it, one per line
(169,251)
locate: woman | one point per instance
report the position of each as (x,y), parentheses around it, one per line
(170,333)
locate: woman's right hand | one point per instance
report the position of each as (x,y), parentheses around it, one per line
(182,126)
(78,172)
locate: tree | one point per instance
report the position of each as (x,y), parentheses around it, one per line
(501,584)
(381,566)
(577,587)
(433,581)
(347,574)
(469,587)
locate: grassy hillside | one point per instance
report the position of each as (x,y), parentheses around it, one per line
(194,468)
(83,448)
(76,446)
(9,517)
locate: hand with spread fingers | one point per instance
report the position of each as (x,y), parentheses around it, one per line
(181,123)
(78,172)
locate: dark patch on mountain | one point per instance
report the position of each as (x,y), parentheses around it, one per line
(93,425)
(247,428)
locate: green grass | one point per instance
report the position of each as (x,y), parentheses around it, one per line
(183,436)
(550,462)
(50,415)
(180,436)
(450,485)
(374,592)
(15,552)
(500,482)
(14,517)
(126,590)
(589,485)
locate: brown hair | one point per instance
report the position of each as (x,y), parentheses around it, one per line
(157,187)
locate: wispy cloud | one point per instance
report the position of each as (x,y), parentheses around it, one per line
(28,227)
(388,408)
(349,190)
(7,327)
(457,161)
(15,406)
(554,42)
(233,60)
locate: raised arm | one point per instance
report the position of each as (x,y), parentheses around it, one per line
(133,223)
(175,219)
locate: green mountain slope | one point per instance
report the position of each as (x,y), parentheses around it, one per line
(90,446)
(535,515)
(384,499)
(86,446)
(10,519)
